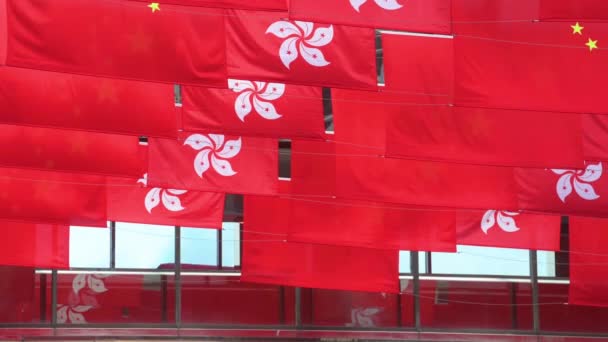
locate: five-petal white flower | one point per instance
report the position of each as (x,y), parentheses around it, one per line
(213,152)
(579,180)
(169,197)
(256,95)
(363,317)
(385,4)
(302,39)
(74,312)
(504,219)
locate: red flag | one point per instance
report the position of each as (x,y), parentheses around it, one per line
(52,197)
(269,259)
(268,5)
(122,39)
(577,192)
(419,64)
(262,45)
(255,108)
(370,225)
(588,261)
(35,245)
(73,151)
(502,66)
(486,136)
(496,228)
(574,10)
(129,200)
(313,168)
(595,136)
(473,12)
(86,103)
(214,162)
(3,32)
(412,15)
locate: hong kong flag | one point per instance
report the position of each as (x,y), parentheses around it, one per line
(34,245)
(574,10)
(576,192)
(497,228)
(588,261)
(52,197)
(86,103)
(431,16)
(129,200)
(214,162)
(121,39)
(255,108)
(263,45)
(72,151)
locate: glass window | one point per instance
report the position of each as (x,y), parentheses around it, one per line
(89,247)
(404,262)
(23,294)
(482,261)
(475,305)
(144,246)
(231,244)
(546,263)
(199,247)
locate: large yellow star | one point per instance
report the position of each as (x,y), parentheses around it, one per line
(592,44)
(155,6)
(577,28)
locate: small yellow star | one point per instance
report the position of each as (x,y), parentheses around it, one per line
(592,44)
(577,28)
(155,6)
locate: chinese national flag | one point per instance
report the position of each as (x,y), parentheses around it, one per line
(262,45)
(473,12)
(496,228)
(588,261)
(370,225)
(52,197)
(72,151)
(544,66)
(86,103)
(34,245)
(121,39)
(268,5)
(269,259)
(565,191)
(255,108)
(129,200)
(214,162)
(572,10)
(431,16)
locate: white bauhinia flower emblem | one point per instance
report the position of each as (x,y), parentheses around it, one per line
(213,152)
(386,4)
(504,219)
(363,317)
(81,302)
(302,39)
(168,197)
(579,180)
(256,95)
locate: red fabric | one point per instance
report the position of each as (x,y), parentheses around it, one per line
(370,225)
(3,33)
(86,103)
(486,136)
(73,151)
(269,259)
(313,54)
(494,228)
(574,10)
(255,108)
(34,245)
(212,162)
(419,64)
(279,5)
(465,12)
(588,261)
(18,289)
(130,201)
(524,66)
(595,136)
(413,15)
(120,39)
(353,309)
(52,197)
(313,168)
(576,192)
